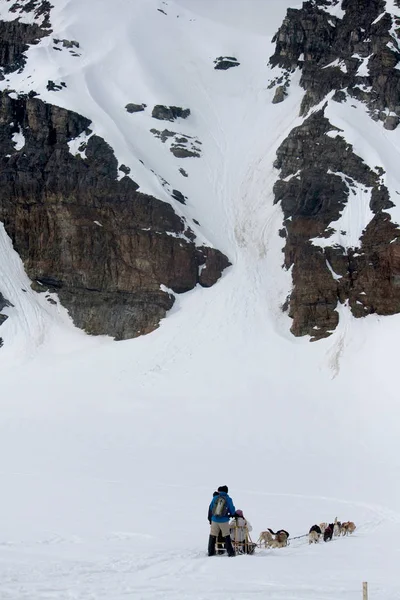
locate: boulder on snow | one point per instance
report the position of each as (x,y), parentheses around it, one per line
(169,113)
(222,63)
(133,108)
(391,122)
(280,94)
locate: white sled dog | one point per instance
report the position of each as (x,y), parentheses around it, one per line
(323,526)
(314,534)
(266,538)
(337,527)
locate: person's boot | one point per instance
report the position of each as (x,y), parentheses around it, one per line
(228,546)
(211,545)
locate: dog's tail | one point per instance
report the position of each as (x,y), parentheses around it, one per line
(279,531)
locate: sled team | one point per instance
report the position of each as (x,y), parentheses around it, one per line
(327,531)
(230,530)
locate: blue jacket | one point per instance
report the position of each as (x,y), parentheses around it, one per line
(231,508)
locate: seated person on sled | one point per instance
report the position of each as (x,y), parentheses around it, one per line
(240,534)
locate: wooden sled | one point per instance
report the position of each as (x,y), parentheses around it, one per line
(247,546)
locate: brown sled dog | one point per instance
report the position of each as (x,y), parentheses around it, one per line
(348,527)
(328,533)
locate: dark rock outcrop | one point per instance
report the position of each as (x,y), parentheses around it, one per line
(15,39)
(69,44)
(182,152)
(280,94)
(104,247)
(179,196)
(169,113)
(181,146)
(223,63)
(134,108)
(55,87)
(3,304)
(72,46)
(319,174)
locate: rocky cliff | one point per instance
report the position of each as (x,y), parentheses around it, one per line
(346,58)
(113,255)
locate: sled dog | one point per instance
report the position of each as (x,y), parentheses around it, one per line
(281,538)
(272,539)
(348,527)
(266,538)
(337,527)
(314,534)
(328,533)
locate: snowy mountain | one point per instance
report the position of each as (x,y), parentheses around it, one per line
(218,180)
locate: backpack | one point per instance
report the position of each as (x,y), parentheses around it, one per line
(220,507)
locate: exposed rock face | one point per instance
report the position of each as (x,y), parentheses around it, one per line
(320,174)
(169,113)
(15,38)
(357,53)
(103,246)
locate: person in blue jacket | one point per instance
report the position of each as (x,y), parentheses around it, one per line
(221,509)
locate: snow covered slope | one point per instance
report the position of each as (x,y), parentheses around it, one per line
(110,451)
